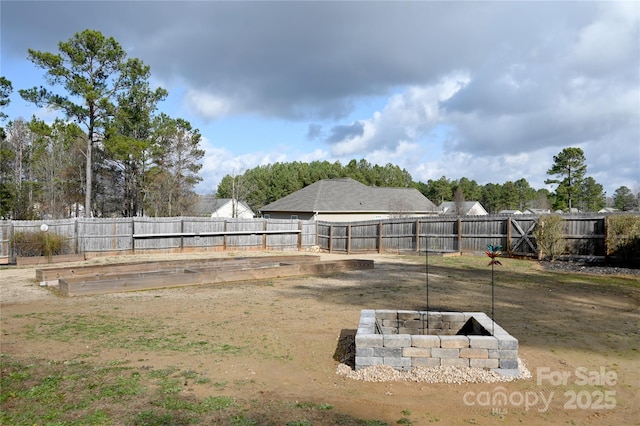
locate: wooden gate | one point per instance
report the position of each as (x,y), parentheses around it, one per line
(521,241)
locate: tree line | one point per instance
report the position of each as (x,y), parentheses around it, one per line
(262,185)
(113,154)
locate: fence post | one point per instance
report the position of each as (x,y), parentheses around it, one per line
(133,231)
(459,235)
(224,238)
(418,236)
(349,239)
(181,235)
(605,244)
(77,233)
(264,234)
(300,228)
(330,238)
(508,236)
(379,237)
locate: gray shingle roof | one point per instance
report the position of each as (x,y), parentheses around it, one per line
(348,195)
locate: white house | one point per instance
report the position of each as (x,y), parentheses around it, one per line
(467,208)
(227,207)
(537,211)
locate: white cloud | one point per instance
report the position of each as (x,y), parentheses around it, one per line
(407,118)
(206,105)
(219,162)
(607,42)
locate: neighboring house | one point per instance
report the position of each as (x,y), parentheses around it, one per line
(608,210)
(510,212)
(227,207)
(537,211)
(346,200)
(467,208)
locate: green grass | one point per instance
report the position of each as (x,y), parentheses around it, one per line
(137,334)
(79,393)
(525,272)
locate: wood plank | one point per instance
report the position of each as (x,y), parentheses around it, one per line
(50,276)
(39,260)
(214,233)
(181,277)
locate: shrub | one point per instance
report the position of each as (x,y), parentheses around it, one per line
(29,244)
(623,237)
(550,237)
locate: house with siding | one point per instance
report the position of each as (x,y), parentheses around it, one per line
(227,207)
(467,208)
(347,200)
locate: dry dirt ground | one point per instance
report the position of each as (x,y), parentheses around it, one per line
(279,339)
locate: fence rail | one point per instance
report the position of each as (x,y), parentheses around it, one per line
(141,235)
(583,235)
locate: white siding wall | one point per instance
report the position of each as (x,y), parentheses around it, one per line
(227,211)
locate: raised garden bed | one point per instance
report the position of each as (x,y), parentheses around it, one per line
(153,275)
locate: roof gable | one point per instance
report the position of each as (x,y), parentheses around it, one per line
(348,195)
(451,207)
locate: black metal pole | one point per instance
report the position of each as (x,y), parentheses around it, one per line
(426,252)
(493,320)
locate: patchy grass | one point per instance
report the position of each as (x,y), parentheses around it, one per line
(520,271)
(204,361)
(78,393)
(134,334)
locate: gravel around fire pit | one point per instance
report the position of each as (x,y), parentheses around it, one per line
(346,353)
(452,375)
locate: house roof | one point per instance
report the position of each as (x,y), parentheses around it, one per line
(202,205)
(221,202)
(348,195)
(450,207)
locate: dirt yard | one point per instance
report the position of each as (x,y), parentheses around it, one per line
(280,340)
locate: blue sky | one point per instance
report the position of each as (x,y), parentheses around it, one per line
(490,91)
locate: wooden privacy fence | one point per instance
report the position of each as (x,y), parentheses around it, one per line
(583,235)
(140,235)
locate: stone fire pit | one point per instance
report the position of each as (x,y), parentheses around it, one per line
(405,339)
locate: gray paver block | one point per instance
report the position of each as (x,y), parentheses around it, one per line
(453,317)
(484,363)
(367,361)
(508,343)
(416,352)
(455,362)
(474,353)
(483,342)
(369,340)
(455,342)
(445,353)
(509,364)
(425,362)
(397,341)
(425,341)
(387,352)
(507,371)
(398,362)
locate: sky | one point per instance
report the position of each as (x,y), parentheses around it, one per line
(490,91)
